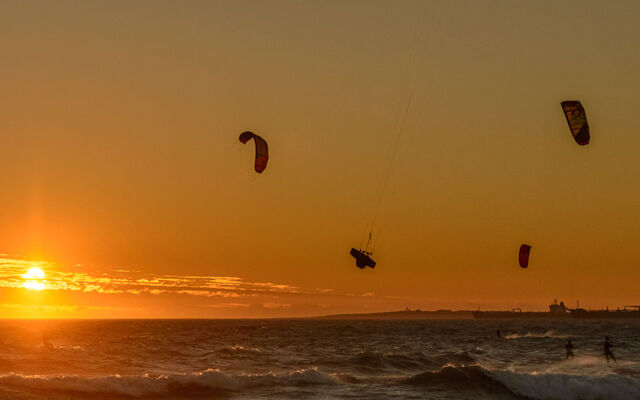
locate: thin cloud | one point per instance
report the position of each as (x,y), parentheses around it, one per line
(227,305)
(131,282)
(30,308)
(275,305)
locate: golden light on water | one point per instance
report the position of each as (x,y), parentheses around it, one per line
(34,279)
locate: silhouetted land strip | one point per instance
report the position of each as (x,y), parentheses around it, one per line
(403,315)
(556,311)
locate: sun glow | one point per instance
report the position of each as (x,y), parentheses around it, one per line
(34,279)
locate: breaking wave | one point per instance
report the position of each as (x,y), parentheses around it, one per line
(209,381)
(470,379)
(570,387)
(538,386)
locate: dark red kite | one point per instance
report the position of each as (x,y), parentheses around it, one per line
(262,149)
(523,256)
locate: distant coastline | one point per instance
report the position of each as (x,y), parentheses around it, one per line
(401,315)
(556,311)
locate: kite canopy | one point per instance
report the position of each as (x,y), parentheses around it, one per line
(577,120)
(262,149)
(523,256)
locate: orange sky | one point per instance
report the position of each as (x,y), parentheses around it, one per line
(120,158)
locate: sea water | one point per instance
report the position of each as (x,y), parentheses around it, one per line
(317,359)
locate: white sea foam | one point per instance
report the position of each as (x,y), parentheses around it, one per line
(245,349)
(588,364)
(536,386)
(548,334)
(146,385)
(542,386)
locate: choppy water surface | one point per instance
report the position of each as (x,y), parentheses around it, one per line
(297,359)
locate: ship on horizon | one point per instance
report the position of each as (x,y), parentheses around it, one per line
(556,311)
(626,312)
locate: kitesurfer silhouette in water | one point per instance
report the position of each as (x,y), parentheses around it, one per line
(569,348)
(47,344)
(607,349)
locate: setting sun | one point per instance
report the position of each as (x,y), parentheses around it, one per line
(34,279)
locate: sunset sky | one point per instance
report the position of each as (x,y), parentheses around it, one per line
(124,181)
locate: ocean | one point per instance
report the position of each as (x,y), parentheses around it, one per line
(316,359)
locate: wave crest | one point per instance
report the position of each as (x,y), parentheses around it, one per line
(570,387)
(474,378)
(538,386)
(208,381)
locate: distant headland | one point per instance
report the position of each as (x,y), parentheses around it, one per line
(556,311)
(405,314)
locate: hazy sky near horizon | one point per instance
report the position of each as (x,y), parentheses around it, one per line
(120,166)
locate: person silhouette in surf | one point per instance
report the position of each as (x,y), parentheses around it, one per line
(607,349)
(498,333)
(569,348)
(46,343)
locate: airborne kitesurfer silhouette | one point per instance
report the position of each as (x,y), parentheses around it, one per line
(363,258)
